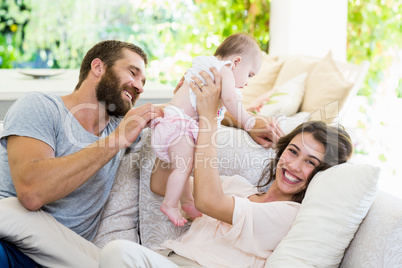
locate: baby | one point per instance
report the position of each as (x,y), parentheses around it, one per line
(175,134)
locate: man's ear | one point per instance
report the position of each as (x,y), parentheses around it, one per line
(97,67)
(236,60)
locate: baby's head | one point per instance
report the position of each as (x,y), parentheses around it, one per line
(245,54)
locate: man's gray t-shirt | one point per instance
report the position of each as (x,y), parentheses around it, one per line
(44,117)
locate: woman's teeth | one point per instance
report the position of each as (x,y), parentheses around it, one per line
(290,177)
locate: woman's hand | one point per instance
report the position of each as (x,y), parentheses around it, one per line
(208,95)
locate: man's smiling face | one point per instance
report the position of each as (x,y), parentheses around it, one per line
(121,84)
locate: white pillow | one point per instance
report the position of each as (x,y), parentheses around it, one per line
(289,123)
(335,204)
(287,98)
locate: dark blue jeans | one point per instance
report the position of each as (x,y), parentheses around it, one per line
(12,257)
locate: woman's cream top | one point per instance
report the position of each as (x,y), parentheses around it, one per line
(256,230)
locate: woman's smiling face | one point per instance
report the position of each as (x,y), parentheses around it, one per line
(302,155)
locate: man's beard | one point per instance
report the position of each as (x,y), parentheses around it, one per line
(110,92)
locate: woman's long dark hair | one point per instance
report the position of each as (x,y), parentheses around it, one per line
(337,143)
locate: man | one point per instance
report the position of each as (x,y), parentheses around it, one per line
(61,154)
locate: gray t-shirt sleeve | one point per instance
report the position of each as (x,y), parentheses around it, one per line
(34,115)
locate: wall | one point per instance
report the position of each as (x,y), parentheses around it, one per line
(308,27)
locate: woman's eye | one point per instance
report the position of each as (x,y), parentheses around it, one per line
(311,162)
(132,73)
(293,151)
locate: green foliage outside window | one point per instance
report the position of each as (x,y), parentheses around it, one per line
(13,18)
(171,32)
(223,18)
(58,33)
(374,34)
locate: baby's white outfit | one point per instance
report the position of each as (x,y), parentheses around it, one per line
(203,63)
(175,123)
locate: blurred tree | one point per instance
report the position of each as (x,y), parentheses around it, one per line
(171,32)
(59,32)
(14,16)
(223,18)
(374,34)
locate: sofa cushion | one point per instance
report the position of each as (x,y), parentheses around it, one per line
(336,202)
(264,80)
(377,243)
(326,90)
(287,98)
(120,215)
(154,226)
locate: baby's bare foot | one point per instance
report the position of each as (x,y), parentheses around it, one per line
(191,211)
(173,214)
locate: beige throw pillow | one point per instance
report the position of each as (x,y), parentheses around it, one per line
(294,66)
(264,80)
(326,91)
(287,98)
(336,202)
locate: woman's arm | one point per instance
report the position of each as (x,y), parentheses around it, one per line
(208,194)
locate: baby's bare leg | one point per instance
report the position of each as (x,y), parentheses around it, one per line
(187,201)
(159,176)
(181,153)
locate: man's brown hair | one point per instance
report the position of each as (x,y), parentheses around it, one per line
(108,52)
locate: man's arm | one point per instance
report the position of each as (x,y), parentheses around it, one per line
(265,132)
(40,178)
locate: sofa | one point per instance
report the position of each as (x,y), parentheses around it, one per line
(373,235)
(344,221)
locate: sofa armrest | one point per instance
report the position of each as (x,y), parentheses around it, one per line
(378,241)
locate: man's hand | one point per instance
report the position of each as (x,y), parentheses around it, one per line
(256,105)
(266,131)
(134,121)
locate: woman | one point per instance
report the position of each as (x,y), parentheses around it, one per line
(240,226)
